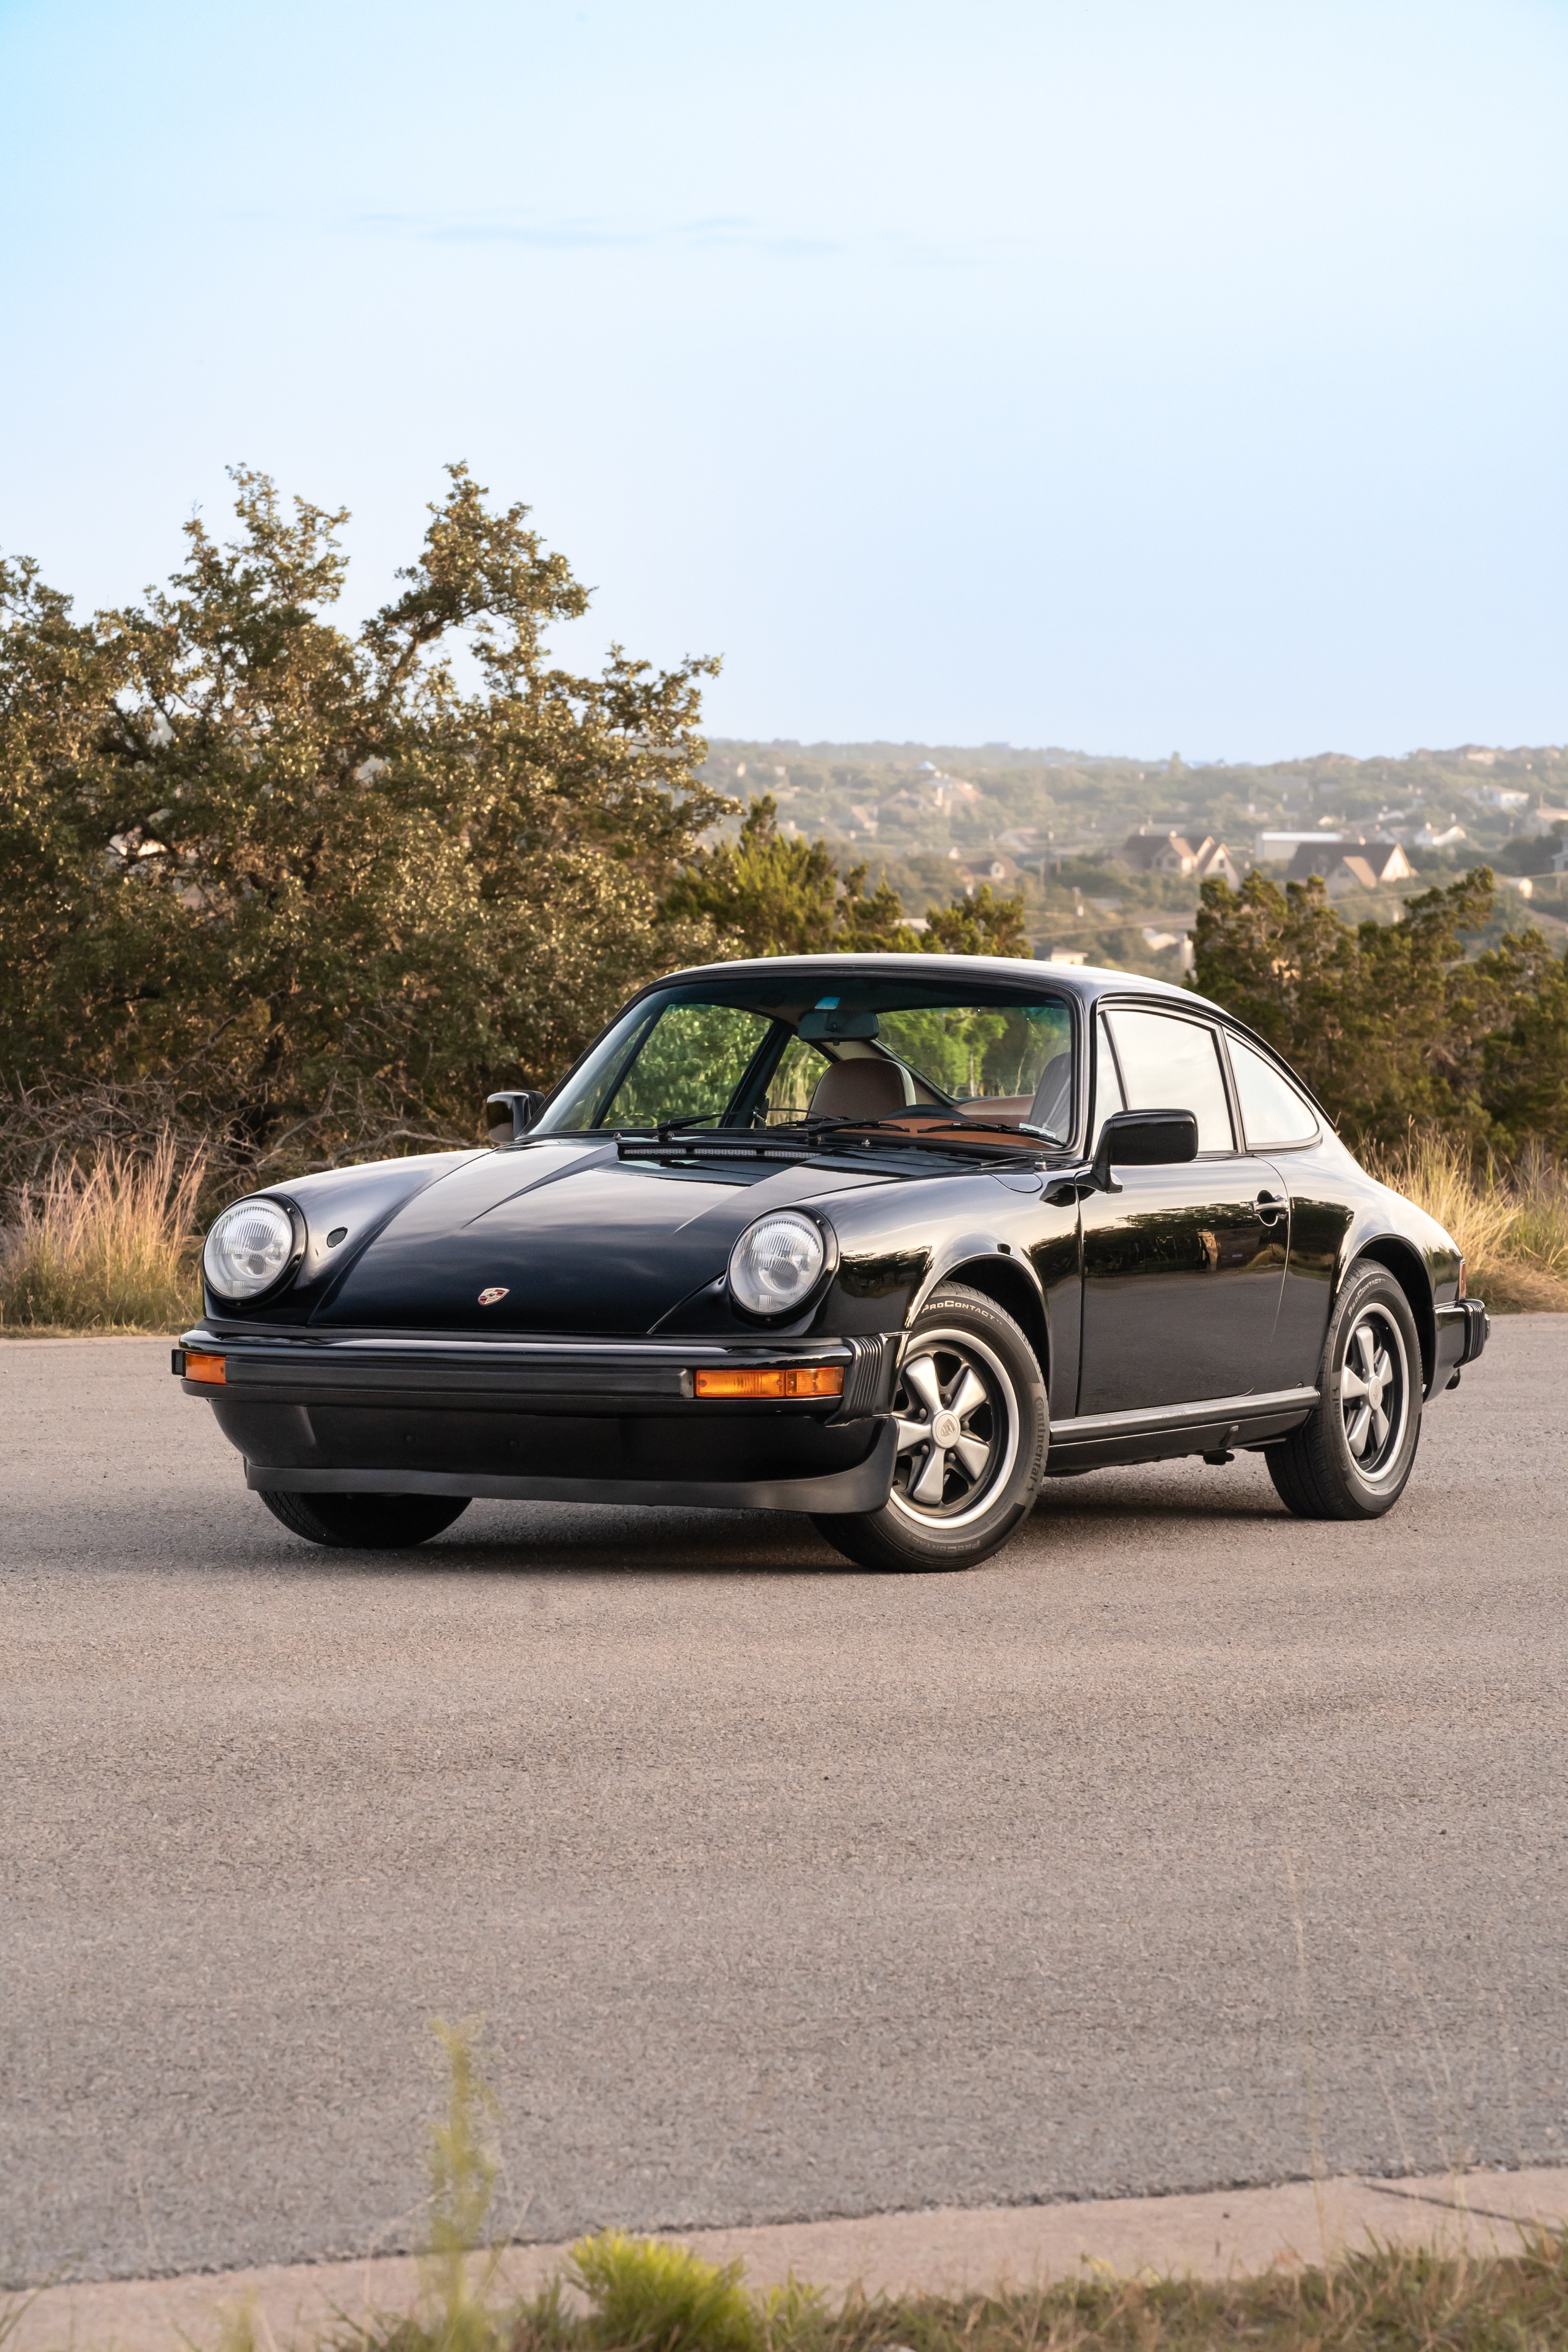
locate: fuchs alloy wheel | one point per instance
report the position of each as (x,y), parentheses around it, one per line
(1351,1458)
(365,1522)
(972,1433)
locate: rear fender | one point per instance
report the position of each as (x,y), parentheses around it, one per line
(1410,1270)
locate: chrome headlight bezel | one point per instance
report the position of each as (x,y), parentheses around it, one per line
(750,1297)
(217,1276)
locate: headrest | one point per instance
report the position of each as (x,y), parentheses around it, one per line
(866,1087)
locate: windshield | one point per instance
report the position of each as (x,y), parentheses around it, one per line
(755,1054)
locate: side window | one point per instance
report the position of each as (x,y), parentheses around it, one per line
(1108,1095)
(1272,1112)
(1169,1064)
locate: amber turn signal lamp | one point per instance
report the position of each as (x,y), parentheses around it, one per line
(209,1368)
(780,1381)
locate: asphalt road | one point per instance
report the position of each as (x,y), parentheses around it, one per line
(1180,1835)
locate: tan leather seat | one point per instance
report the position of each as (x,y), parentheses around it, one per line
(861,1088)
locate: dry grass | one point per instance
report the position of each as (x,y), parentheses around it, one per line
(1513,1228)
(109,1246)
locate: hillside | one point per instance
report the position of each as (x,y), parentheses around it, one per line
(932,816)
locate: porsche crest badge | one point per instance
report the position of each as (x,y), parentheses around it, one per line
(488,1297)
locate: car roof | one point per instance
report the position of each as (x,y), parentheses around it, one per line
(1086,981)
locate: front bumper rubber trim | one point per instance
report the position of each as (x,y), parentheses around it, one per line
(864,1488)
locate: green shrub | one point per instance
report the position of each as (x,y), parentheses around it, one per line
(661,2297)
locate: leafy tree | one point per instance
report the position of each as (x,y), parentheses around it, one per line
(1391,1024)
(1524,1063)
(983,925)
(303,881)
(769,893)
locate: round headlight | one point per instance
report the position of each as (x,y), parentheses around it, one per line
(775,1264)
(248,1249)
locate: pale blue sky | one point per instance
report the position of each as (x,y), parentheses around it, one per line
(1121,374)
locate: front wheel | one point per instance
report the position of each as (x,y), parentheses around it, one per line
(972,1433)
(1352,1458)
(365,1522)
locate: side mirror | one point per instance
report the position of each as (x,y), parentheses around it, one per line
(509,1115)
(1142,1138)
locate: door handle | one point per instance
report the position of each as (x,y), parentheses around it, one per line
(1271,1207)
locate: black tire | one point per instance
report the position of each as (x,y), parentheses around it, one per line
(973,1499)
(1351,1458)
(365,1522)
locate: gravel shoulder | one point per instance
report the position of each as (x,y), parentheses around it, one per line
(784,1890)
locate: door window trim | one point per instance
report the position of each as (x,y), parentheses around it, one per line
(1196,1020)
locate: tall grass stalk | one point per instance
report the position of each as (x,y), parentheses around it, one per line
(109,1246)
(463,2173)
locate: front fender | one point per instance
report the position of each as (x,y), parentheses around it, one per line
(1021,1251)
(360,1200)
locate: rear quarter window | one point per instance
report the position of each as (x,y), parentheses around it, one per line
(1272,1112)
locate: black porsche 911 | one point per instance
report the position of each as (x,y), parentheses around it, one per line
(888,1240)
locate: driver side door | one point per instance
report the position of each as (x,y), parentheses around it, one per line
(1183,1267)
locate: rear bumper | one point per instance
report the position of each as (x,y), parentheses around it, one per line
(550,1421)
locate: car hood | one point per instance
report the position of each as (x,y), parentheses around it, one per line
(573,1237)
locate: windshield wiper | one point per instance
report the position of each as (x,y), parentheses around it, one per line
(828,1123)
(665,1127)
(938,1130)
(934,1117)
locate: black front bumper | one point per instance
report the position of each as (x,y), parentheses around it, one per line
(549,1420)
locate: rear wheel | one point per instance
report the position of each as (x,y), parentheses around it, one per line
(972,1431)
(365,1522)
(1351,1458)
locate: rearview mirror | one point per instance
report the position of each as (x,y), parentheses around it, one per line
(826,1022)
(1142,1138)
(509,1115)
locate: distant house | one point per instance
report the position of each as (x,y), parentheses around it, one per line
(1278,848)
(1158,853)
(998,871)
(1351,864)
(1427,839)
(941,791)
(1157,941)
(1173,852)
(1215,861)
